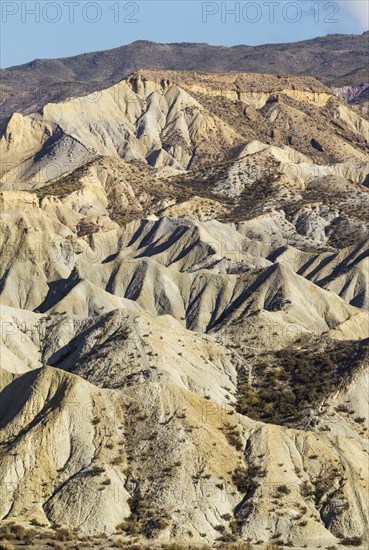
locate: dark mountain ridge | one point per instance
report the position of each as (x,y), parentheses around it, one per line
(335,60)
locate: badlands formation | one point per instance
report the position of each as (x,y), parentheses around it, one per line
(185,316)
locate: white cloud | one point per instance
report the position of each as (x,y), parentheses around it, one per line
(359,10)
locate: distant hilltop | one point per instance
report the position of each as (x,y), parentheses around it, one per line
(335,60)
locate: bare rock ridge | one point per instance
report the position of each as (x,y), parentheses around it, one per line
(185,315)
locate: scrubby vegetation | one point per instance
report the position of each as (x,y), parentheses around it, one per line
(247,480)
(291,381)
(61,188)
(144,519)
(352,541)
(15,532)
(233,436)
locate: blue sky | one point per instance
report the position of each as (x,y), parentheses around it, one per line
(61,28)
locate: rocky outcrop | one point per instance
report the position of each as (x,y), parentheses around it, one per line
(351,93)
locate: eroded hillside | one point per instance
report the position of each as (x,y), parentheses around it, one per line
(185,314)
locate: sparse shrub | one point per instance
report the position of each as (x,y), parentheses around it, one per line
(240,478)
(246,479)
(283,490)
(16,532)
(232,545)
(64,535)
(28,538)
(352,541)
(306,489)
(97,470)
(227,538)
(342,408)
(36,523)
(119,543)
(174,546)
(117,460)
(143,519)
(233,436)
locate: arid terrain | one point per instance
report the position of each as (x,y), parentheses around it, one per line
(337,60)
(185,316)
